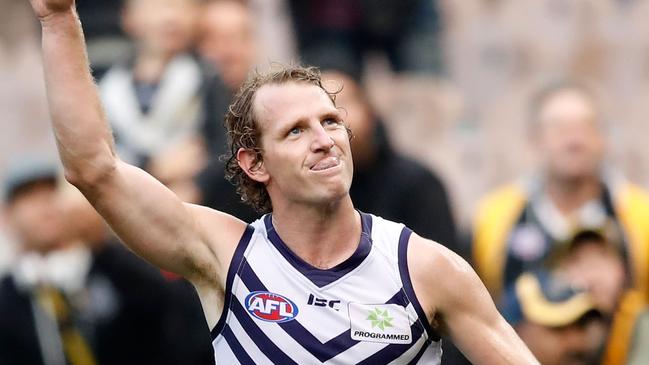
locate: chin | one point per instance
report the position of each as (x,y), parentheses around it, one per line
(331,195)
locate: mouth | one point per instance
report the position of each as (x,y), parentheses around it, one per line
(326,163)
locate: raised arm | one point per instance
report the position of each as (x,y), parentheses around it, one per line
(149,218)
(460,306)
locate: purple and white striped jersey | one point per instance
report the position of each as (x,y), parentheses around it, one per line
(281,310)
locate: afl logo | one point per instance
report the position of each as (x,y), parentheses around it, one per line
(271,307)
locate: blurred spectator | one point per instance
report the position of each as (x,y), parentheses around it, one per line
(158,100)
(518,226)
(559,324)
(341,32)
(63,300)
(386,183)
(593,262)
(227,40)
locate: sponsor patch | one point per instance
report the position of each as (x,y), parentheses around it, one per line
(271,307)
(385,323)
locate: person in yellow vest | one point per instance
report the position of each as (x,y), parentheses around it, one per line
(518,226)
(593,262)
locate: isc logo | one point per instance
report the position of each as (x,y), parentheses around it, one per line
(320,302)
(271,307)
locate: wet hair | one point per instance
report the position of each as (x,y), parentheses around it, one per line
(244,131)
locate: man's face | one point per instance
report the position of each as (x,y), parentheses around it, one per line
(163,26)
(35,215)
(576,344)
(600,270)
(570,143)
(227,40)
(307,157)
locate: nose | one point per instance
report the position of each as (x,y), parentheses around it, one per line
(322,141)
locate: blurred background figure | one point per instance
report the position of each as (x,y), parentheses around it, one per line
(73,294)
(561,325)
(520,225)
(344,31)
(227,40)
(387,183)
(157,100)
(593,262)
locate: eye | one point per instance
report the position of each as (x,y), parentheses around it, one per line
(294,131)
(331,122)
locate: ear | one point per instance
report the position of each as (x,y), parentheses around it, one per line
(251,163)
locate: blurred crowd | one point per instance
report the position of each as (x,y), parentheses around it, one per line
(509,131)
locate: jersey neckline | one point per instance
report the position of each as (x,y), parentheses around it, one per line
(323,277)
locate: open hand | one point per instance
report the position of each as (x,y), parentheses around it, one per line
(45,8)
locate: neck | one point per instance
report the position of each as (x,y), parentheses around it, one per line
(150,65)
(569,195)
(321,236)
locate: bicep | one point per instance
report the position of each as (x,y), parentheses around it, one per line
(463,308)
(152,221)
(479,331)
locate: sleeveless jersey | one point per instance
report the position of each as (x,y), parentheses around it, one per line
(279,309)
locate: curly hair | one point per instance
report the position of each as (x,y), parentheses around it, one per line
(244,131)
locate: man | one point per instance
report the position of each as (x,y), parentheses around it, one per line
(519,226)
(385,182)
(227,41)
(70,297)
(560,324)
(300,285)
(157,100)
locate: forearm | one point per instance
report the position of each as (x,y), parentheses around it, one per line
(82,134)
